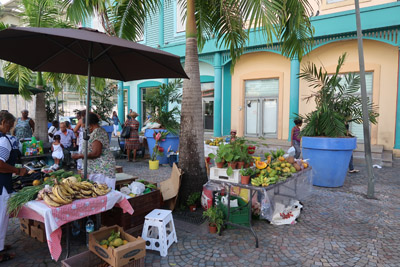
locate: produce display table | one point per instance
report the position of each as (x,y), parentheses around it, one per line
(295,187)
(55,217)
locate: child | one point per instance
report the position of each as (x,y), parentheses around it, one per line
(57,149)
(296,137)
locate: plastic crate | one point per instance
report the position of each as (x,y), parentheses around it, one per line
(220,174)
(238,215)
(89,259)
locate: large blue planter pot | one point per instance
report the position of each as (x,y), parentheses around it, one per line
(329,158)
(171,140)
(109,130)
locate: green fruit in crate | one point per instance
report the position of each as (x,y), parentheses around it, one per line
(104,242)
(117,242)
(293,169)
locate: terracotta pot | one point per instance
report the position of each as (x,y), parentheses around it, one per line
(245,179)
(212,228)
(232,165)
(247,165)
(240,164)
(192,208)
(220,164)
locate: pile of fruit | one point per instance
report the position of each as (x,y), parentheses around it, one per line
(69,189)
(216,142)
(113,241)
(276,168)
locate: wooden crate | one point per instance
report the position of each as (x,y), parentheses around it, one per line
(89,259)
(142,205)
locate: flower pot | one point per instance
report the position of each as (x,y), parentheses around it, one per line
(240,164)
(153,164)
(329,158)
(220,164)
(109,129)
(170,140)
(212,228)
(245,179)
(232,165)
(246,165)
(192,208)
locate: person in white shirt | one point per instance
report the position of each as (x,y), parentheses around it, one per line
(52,130)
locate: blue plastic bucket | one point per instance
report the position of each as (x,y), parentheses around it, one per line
(329,158)
(171,140)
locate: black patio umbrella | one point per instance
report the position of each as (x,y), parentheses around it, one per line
(86,52)
(7,88)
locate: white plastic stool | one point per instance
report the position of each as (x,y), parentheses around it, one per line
(159,231)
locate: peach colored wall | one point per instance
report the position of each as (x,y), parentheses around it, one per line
(261,65)
(382,60)
(343,6)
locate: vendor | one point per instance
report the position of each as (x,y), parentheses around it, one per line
(25,126)
(101,162)
(8,157)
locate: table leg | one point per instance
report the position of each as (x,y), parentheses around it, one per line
(68,237)
(250,215)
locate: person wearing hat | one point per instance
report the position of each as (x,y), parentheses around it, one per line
(132,143)
(25,126)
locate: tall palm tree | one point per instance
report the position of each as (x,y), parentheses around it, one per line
(283,21)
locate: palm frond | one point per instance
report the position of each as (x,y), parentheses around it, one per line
(21,75)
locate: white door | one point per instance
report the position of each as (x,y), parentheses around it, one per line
(252,117)
(270,117)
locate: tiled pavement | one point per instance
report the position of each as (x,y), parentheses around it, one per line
(338,227)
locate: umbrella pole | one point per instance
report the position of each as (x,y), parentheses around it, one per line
(86,133)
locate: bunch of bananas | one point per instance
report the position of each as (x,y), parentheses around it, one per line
(68,190)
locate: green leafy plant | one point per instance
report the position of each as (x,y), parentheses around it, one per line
(223,151)
(104,101)
(158,150)
(247,171)
(193,199)
(215,217)
(337,101)
(160,100)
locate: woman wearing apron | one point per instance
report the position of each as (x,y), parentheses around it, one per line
(8,156)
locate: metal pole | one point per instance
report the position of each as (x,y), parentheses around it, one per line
(86,133)
(367,139)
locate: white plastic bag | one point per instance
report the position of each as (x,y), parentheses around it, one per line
(137,188)
(286,215)
(291,151)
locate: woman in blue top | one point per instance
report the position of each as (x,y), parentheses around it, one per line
(8,156)
(115,122)
(25,126)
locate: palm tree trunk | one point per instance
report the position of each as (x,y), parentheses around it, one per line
(40,113)
(191,145)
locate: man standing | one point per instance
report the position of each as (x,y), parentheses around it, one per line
(68,140)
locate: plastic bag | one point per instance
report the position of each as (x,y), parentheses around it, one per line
(286,215)
(137,188)
(291,151)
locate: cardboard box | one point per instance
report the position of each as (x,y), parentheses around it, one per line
(38,233)
(89,259)
(25,225)
(117,257)
(38,224)
(170,188)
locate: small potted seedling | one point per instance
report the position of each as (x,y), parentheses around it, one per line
(245,174)
(215,219)
(192,201)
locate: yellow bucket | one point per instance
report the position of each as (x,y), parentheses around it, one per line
(257,159)
(153,165)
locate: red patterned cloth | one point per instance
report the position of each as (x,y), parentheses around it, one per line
(54,218)
(133,141)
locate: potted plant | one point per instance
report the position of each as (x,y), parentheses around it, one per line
(215,219)
(158,150)
(167,114)
(222,152)
(193,200)
(327,143)
(246,174)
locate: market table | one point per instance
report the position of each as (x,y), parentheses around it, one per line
(54,217)
(295,187)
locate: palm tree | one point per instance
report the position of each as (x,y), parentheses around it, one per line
(225,20)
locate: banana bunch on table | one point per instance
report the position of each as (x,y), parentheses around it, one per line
(70,189)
